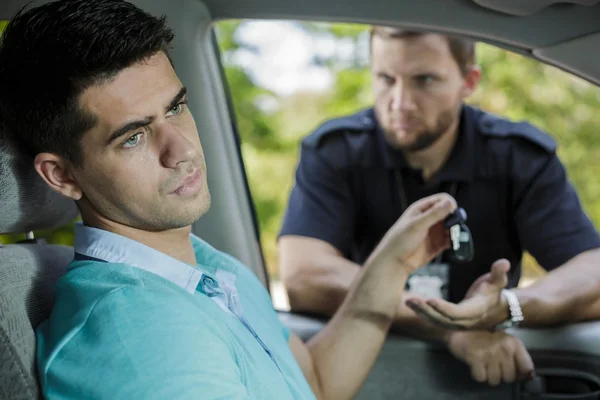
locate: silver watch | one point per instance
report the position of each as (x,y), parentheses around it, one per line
(514,308)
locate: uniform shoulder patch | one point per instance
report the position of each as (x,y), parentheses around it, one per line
(492,125)
(361,121)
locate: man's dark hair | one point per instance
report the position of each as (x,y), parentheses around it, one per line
(50,54)
(463,50)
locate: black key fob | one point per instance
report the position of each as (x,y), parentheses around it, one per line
(461,246)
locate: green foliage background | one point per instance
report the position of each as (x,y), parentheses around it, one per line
(512,86)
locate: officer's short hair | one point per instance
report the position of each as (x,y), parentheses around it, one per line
(463,50)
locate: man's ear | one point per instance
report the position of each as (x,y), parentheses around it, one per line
(57,173)
(471,81)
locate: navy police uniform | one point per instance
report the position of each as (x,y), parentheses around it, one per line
(351,186)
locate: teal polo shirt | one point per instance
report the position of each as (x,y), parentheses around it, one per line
(130,322)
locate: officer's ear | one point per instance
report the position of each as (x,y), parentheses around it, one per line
(471,79)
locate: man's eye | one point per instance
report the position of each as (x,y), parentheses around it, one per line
(132,141)
(178,109)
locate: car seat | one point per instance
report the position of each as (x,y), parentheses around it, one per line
(28,269)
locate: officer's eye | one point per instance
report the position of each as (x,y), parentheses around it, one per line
(386,79)
(425,79)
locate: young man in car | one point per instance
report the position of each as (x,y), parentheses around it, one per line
(147,310)
(357,174)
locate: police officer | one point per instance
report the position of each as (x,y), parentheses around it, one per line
(357,174)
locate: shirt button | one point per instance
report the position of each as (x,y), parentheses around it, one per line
(208,281)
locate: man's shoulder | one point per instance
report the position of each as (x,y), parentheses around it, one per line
(89,280)
(124,322)
(89,286)
(506,135)
(94,297)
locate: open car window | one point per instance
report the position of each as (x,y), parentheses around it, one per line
(288,77)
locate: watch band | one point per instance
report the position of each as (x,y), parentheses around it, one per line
(514,308)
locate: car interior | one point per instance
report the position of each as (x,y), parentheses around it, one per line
(565,34)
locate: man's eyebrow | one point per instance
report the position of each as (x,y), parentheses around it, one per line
(130,126)
(177,99)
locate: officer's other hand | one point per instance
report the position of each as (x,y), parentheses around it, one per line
(419,234)
(493,357)
(482,308)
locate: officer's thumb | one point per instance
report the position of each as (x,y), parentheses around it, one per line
(499,273)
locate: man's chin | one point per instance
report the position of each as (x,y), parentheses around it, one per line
(202,205)
(188,215)
(401,141)
(205,206)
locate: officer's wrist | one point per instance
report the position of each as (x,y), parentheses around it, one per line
(499,313)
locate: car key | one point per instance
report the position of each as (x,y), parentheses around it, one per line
(462,241)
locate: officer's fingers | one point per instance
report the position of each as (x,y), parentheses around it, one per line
(469,310)
(420,307)
(478,370)
(494,374)
(508,367)
(525,367)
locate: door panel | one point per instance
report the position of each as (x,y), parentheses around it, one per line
(567,363)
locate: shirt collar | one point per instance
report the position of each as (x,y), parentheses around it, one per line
(115,248)
(459,166)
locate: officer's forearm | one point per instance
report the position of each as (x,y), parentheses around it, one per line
(321,286)
(570,293)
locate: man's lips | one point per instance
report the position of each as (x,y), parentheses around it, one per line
(190,184)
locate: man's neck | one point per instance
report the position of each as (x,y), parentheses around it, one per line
(433,158)
(174,242)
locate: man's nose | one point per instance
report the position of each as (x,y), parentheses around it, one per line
(402,98)
(176,147)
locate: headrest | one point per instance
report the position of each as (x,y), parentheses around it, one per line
(26,202)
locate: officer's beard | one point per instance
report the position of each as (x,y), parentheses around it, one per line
(427,137)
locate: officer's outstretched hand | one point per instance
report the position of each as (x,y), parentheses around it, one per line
(419,234)
(482,308)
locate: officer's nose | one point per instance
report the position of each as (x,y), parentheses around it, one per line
(402,99)
(175,147)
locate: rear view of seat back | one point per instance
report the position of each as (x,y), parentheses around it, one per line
(28,270)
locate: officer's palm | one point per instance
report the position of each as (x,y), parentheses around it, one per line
(472,313)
